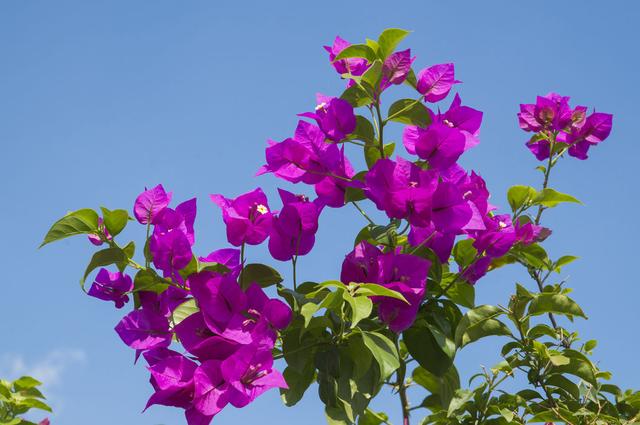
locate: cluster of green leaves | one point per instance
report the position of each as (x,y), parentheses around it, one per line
(336,341)
(561,382)
(19,397)
(86,221)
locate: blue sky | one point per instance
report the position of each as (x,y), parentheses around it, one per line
(99,99)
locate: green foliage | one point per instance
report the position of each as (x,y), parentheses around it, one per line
(79,222)
(332,341)
(19,397)
(409,111)
(389,40)
(261,274)
(115,221)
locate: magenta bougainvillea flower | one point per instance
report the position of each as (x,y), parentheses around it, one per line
(441,243)
(172,238)
(248,374)
(435,82)
(222,303)
(402,189)
(553,120)
(353,66)
(594,129)
(149,203)
(276,313)
(171,378)
(438,144)
(463,118)
(528,233)
(144,329)
(451,211)
(103,234)
(304,158)
(498,237)
(334,116)
(310,159)
(228,257)
(248,217)
(403,273)
(201,341)
(295,226)
(331,190)
(550,112)
(396,68)
(111,287)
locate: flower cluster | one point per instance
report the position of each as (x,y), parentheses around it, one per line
(229,333)
(557,124)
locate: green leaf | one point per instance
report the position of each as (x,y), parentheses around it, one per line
(357,51)
(559,360)
(372,77)
(462,293)
(357,96)
(34,403)
(464,252)
(75,223)
(298,383)
(579,365)
(307,311)
(148,280)
(389,40)
(409,111)
(25,383)
(479,323)
(564,383)
(554,303)
(373,289)
(460,398)
(550,198)
(372,418)
(354,194)
(383,351)
(371,155)
(364,130)
(430,347)
(551,416)
(103,258)
(563,261)
(411,80)
(261,274)
(519,196)
(443,386)
(206,266)
(184,310)
(361,307)
(115,220)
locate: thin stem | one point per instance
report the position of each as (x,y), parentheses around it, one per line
(380,129)
(364,214)
(294,260)
(402,387)
(547,173)
(535,275)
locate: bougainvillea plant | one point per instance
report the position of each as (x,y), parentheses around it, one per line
(19,397)
(403,305)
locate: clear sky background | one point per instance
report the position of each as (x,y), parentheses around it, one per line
(100,99)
